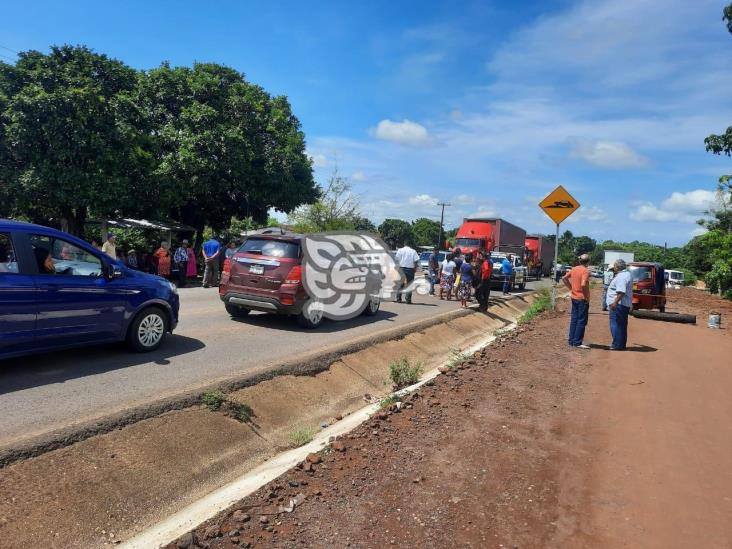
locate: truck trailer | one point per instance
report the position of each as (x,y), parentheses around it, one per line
(539,255)
(612,255)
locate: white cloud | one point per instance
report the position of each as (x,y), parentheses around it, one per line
(608,154)
(679,207)
(423,200)
(319,160)
(463,200)
(358,176)
(405,132)
(591,213)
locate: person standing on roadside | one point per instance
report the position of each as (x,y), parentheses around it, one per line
(577,280)
(433,267)
(181,260)
(408,259)
(466,280)
(507,271)
(110,246)
(447,276)
(620,302)
(607,277)
(483,292)
(211,251)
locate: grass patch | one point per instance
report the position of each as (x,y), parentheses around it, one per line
(402,373)
(542,303)
(388,401)
(301,435)
(214,399)
(456,358)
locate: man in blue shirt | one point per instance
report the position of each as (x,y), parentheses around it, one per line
(620,301)
(507,271)
(210,251)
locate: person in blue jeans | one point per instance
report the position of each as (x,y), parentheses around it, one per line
(507,271)
(577,280)
(620,302)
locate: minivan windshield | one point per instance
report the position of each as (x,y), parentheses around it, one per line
(271,248)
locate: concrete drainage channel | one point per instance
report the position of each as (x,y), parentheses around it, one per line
(210,505)
(165,475)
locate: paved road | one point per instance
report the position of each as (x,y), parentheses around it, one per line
(48,392)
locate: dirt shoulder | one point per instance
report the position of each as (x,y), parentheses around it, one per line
(529,444)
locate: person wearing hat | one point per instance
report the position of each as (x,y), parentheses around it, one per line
(620,302)
(110,246)
(577,280)
(181,261)
(132,261)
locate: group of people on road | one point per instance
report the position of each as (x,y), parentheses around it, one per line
(617,300)
(464,275)
(180,265)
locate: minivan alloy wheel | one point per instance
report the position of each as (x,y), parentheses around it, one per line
(151,330)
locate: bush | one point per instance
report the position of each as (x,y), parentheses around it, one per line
(403,374)
(719,279)
(456,358)
(214,399)
(542,302)
(727,295)
(301,435)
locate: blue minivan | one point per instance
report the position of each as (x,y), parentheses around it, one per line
(57,291)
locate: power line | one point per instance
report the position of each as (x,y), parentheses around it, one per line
(9,49)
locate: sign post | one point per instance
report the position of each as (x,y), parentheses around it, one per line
(558,205)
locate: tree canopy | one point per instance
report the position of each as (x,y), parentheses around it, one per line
(396,232)
(82,134)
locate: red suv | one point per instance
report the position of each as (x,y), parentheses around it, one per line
(265,274)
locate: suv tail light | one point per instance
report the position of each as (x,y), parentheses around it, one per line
(227,265)
(294,276)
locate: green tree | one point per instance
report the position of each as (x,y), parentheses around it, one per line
(363,224)
(426,231)
(72,139)
(396,231)
(226,146)
(336,209)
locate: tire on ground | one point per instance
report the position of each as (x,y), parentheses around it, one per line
(236,311)
(664,316)
(148,330)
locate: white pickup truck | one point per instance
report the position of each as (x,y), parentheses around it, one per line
(520,271)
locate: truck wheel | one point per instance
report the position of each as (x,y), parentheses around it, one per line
(148,330)
(237,312)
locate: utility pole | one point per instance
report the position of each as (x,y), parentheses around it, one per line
(442,220)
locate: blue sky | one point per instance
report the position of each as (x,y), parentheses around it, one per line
(487,105)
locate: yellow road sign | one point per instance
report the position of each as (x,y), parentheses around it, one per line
(559,205)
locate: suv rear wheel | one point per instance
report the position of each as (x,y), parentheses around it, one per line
(310,317)
(148,330)
(373,307)
(236,311)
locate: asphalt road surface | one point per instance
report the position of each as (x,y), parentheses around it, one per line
(43,393)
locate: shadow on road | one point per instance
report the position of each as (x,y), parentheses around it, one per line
(632,349)
(289,324)
(21,373)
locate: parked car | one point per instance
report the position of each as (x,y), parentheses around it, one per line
(57,291)
(265,274)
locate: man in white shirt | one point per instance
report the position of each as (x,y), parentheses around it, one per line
(408,260)
(620,301)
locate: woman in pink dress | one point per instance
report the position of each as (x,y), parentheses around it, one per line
(192,271)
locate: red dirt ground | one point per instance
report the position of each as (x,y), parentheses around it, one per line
(528,444)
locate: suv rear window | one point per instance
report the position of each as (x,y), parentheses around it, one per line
(271,248)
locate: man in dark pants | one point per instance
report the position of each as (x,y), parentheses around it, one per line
(620,301)
(408,259)
(181,261)
(577,280)
(483,291)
